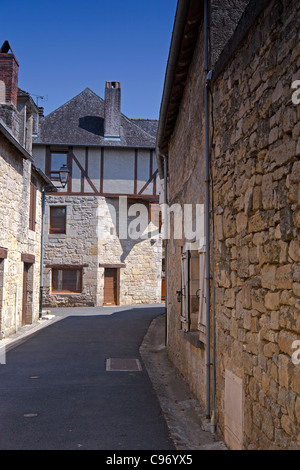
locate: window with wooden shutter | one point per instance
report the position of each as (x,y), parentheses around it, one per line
(202,290)
(155,215)
(185,320)
(66,280)
(32,204)
(194,288)
(57,219)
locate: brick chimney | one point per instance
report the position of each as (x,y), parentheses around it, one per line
(112,113)
(9,69)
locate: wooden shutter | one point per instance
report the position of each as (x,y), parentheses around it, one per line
(71,280)
(67,280)
(32,204)
(57,219)
(202,291)
(185,289)
(194,283)
(155,215)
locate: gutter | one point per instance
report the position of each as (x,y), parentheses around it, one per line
(207,205)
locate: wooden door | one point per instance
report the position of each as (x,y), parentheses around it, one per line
(25,293)
(110,286)
(163,289)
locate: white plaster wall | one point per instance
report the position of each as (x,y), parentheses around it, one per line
(118,171)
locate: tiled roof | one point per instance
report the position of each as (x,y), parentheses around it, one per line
(148,125)
(80,121)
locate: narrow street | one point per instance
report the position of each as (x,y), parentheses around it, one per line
(58,392)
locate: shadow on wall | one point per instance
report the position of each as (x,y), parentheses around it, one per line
(130,225)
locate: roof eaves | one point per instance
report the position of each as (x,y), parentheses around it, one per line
(7,134)
(188,17)
(50,185)
(24,154)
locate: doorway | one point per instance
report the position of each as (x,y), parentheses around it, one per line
(1,293)
(110,286)
(27,299)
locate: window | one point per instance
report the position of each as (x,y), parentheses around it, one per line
(185,313)
(193,290)
(57,160)
(32,204)
(155,215)
(58,219)
(66,280)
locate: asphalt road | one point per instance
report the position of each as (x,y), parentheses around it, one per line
(57,394)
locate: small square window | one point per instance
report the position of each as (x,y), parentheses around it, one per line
(58,219)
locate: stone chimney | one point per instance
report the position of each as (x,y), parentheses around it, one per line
(9,70)
(112,113)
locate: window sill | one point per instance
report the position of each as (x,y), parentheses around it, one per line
(193,338)
(57,235)
(66,293)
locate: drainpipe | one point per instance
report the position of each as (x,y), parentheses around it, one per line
(42,252)
(16,308)
(210,410)
(160,154)
(207,206)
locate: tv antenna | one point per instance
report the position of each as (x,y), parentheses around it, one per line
(45,98)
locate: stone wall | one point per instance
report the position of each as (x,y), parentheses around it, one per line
(15,236)
(77,247)
(257,248)
(186,185)
(256,172)
(92,240)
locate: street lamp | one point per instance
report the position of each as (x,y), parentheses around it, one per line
(64,173)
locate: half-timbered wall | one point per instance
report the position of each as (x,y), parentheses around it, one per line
(105,171)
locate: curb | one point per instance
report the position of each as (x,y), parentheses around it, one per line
(182,411)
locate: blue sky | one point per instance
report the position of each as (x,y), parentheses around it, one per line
(65,46)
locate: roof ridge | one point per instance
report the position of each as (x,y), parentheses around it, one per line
(138,127)
(73,98)
(144,119)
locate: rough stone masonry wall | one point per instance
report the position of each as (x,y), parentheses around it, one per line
(78,247)
(186,186)
(92,240)
(16,237)
(256,170)
(140,279)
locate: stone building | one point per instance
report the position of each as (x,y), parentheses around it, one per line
(93,257)
(21,186)
(229,139)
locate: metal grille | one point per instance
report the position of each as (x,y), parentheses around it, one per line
(123,365)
